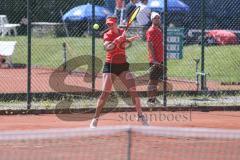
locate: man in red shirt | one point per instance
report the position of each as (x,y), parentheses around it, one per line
(115,66)
(154,38)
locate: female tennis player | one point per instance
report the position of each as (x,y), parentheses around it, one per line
(115,66)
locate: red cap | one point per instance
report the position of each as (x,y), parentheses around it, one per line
(111,20)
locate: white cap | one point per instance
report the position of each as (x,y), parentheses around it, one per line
(154,14)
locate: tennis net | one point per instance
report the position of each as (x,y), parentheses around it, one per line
(118,143)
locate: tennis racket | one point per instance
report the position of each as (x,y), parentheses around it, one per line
(132,17)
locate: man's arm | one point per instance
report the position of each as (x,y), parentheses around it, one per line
(151,51)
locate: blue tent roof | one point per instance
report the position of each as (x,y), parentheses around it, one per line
(84,12)
(173,5)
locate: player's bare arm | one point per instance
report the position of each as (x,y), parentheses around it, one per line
(134,38)
(108,45)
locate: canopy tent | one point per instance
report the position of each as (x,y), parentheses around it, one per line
(173,5)
(84,12)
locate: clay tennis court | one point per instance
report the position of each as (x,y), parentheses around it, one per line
(92,145)
(14,81)
(220,119)
(111,146)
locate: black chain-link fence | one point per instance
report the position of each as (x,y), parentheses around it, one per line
(200,71)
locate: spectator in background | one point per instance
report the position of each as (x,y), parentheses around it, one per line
(119,10)
(24,21)
(22,29)
(143,17)
(154,37)
(130,7)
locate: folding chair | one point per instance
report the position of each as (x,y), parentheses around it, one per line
(7,50)
(6,27)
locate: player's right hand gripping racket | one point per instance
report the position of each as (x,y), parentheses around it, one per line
(131,18)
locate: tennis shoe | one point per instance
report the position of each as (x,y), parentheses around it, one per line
(151,102)
(93,123)
(157,102)
(143,120)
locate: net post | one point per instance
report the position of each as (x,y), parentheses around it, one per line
(203,27)
(165,21)
(29,48)
(93,47)
(129,133)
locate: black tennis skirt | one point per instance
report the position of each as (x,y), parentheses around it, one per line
(116,69)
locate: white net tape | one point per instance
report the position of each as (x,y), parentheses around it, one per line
(122,142)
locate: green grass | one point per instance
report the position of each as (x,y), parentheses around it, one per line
(221,62)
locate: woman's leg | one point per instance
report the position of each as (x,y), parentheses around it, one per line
(108,80)
(128,80)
